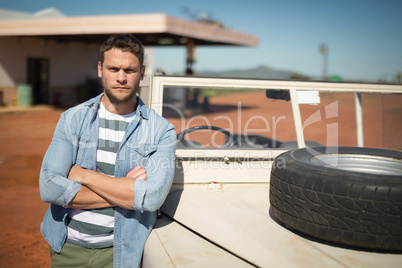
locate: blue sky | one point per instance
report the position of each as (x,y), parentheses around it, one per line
(364,37)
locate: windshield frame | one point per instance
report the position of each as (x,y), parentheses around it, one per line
(152,88)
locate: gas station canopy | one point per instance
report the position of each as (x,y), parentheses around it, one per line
(151,29)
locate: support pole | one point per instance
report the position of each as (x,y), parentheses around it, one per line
(359,119)
(190,56)
(297,118)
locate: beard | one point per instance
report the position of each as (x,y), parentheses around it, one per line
(114,99)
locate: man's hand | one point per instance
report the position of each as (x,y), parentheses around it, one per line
(138,173)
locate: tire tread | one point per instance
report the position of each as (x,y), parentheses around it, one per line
(350,213)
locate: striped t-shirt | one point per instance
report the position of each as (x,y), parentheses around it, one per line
(94,228)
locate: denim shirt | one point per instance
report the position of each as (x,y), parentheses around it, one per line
(149,141)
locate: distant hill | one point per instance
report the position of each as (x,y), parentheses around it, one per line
(262,72)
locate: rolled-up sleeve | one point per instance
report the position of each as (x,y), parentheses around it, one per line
(150,194)
(54,185)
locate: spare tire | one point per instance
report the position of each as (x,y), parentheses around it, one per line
(346,195)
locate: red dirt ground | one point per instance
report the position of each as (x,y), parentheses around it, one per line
(24,138)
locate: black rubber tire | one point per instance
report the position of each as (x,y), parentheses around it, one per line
(348,207)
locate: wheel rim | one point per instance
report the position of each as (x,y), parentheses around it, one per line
(360,163)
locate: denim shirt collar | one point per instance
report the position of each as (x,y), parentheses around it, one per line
(94,103)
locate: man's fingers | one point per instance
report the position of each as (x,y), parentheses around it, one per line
(142,177)
(137,173)
(133,171)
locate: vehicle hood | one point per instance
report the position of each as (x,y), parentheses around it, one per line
(237,218)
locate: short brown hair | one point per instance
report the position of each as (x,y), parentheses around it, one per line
(124,42)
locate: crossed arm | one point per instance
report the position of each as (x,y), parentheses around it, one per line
(63,184)
(100,191)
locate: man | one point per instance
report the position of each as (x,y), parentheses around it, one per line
(108,168)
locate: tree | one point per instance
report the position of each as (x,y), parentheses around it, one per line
(398,78)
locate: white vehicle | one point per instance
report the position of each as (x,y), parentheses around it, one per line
(244,195)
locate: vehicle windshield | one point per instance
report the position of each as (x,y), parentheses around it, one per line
(247,118)
(228,118)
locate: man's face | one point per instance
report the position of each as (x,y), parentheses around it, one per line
(121,74)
